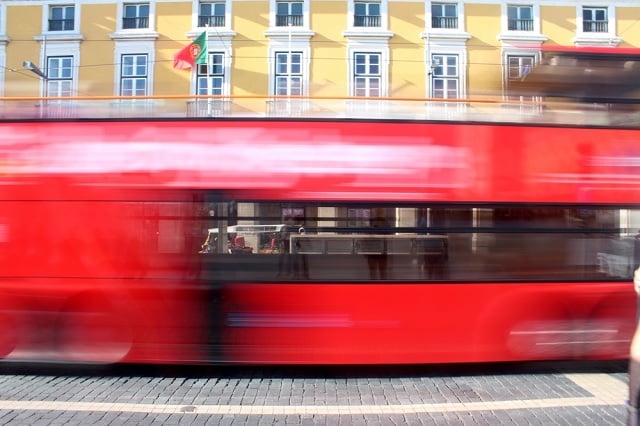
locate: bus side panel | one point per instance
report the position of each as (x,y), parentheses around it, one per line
(426,323)
(82,280)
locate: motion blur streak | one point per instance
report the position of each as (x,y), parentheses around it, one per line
(316,241)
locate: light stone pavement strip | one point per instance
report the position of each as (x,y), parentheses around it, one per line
(604,390)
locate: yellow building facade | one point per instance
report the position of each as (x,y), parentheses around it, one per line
(319,48)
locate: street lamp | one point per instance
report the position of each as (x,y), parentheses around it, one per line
(37,71)
(34,69)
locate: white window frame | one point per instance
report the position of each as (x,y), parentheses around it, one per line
(429,17)
(368,77)
(46,11)
(445,77)
(535,18)
(135,48)
(384,16)
(290,2)
(444,3)
(288,75)
(59,81)
(120,16)
(49,11)
(608,38)
(445,49)
(532,56)
(60,49)
(134,77)
(279,45)
(210,77)
(595,10)
(273,10)
(227,14)
(368,48)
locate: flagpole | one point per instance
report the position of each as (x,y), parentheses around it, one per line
(209,88)
(289,85)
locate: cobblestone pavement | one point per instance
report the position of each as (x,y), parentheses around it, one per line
(534,393)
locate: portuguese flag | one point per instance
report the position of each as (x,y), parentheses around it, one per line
(194,53)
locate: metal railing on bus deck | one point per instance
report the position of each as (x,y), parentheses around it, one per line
(300,107)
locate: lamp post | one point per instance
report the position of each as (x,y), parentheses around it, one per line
(34,69)
(37,71)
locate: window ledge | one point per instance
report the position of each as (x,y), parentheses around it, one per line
(522,37)
(283,32)
(213,32)
(367,32)
(135,34)
(452,35)
(59,36)
(4,39)
(596,39)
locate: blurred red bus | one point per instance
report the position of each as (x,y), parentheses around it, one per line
(421,242)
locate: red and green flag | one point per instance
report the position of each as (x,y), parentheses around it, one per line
(194,53)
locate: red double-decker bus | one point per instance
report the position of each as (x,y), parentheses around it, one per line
(309,241)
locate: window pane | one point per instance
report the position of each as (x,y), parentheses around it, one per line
(205,9)
(281,85)
(450,11)
(219,9)
(296,86)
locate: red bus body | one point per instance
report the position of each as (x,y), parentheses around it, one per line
(79,213)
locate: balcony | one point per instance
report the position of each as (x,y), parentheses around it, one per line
(595,26)
(131,23)
(60,24)
(520,25)
(367,20)
(211,21)
(286,20)
(444,22)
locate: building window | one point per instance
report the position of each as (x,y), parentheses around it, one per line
(60,76)
(135,16)
(444,15)
(520,18)
(61,18)
(367,14)
(211,14)
(134,75)
(367,78)
(519,66)
(595,20)
(288,73)
(210,79)
(289,13)
(445,77)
